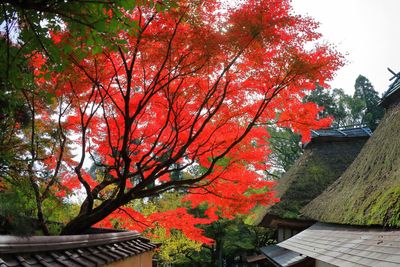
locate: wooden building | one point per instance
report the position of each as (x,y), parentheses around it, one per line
(325,158)
(368,192)
(359,214)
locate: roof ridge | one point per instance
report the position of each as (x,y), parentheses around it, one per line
(16,244)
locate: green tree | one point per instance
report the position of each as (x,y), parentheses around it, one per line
(365,92)
(18,208)
(335,103)
(285,148)
(350,109)
(232,238)
(176,246)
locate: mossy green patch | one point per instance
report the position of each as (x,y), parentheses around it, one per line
(380,208)
(368,192)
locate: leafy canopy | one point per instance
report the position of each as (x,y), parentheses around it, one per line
(175,102)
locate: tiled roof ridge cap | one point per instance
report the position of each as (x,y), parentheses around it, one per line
(18,244)
(354,227)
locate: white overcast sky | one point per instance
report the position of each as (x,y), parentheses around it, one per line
(367,30)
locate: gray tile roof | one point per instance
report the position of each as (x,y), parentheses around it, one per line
(281,256)
(347,245)
(344,132)
(339,134)
(74,250)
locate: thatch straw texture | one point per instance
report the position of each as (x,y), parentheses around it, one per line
(368,192)
(320,165)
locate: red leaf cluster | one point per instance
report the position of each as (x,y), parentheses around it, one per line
(182,103)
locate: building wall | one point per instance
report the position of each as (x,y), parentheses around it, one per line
(286,233)
(319,263)
(141,260)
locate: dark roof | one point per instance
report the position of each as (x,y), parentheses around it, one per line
(256,258)
(339,134)
(342,132)
(392,93)
(274,222)
(368,192)
(281,256)
(72,250)
(347,246)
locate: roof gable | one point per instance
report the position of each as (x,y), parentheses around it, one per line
(392,95)
(319,166)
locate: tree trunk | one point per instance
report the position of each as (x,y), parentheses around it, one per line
(78,225)
(83,222)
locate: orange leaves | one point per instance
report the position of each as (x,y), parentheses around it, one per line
(56,37)
(302,118)
(179,219)
(231,191)
(70,182)
(38,62)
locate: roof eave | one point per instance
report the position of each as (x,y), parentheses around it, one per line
(17,244)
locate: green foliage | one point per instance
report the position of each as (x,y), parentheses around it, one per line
(175,245)
(232,238)
(334,102)
(285,148)
(346,110)
(31,24)
(18,210)
(13,109)
(365,92)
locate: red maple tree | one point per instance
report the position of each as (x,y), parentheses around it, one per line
(180,102)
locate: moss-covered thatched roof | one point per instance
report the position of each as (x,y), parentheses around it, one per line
(320,165)
(368,193)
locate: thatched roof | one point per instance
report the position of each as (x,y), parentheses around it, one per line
(392,95)
(320,165)
(368,193)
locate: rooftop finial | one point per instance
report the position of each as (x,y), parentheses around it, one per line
(395,75)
